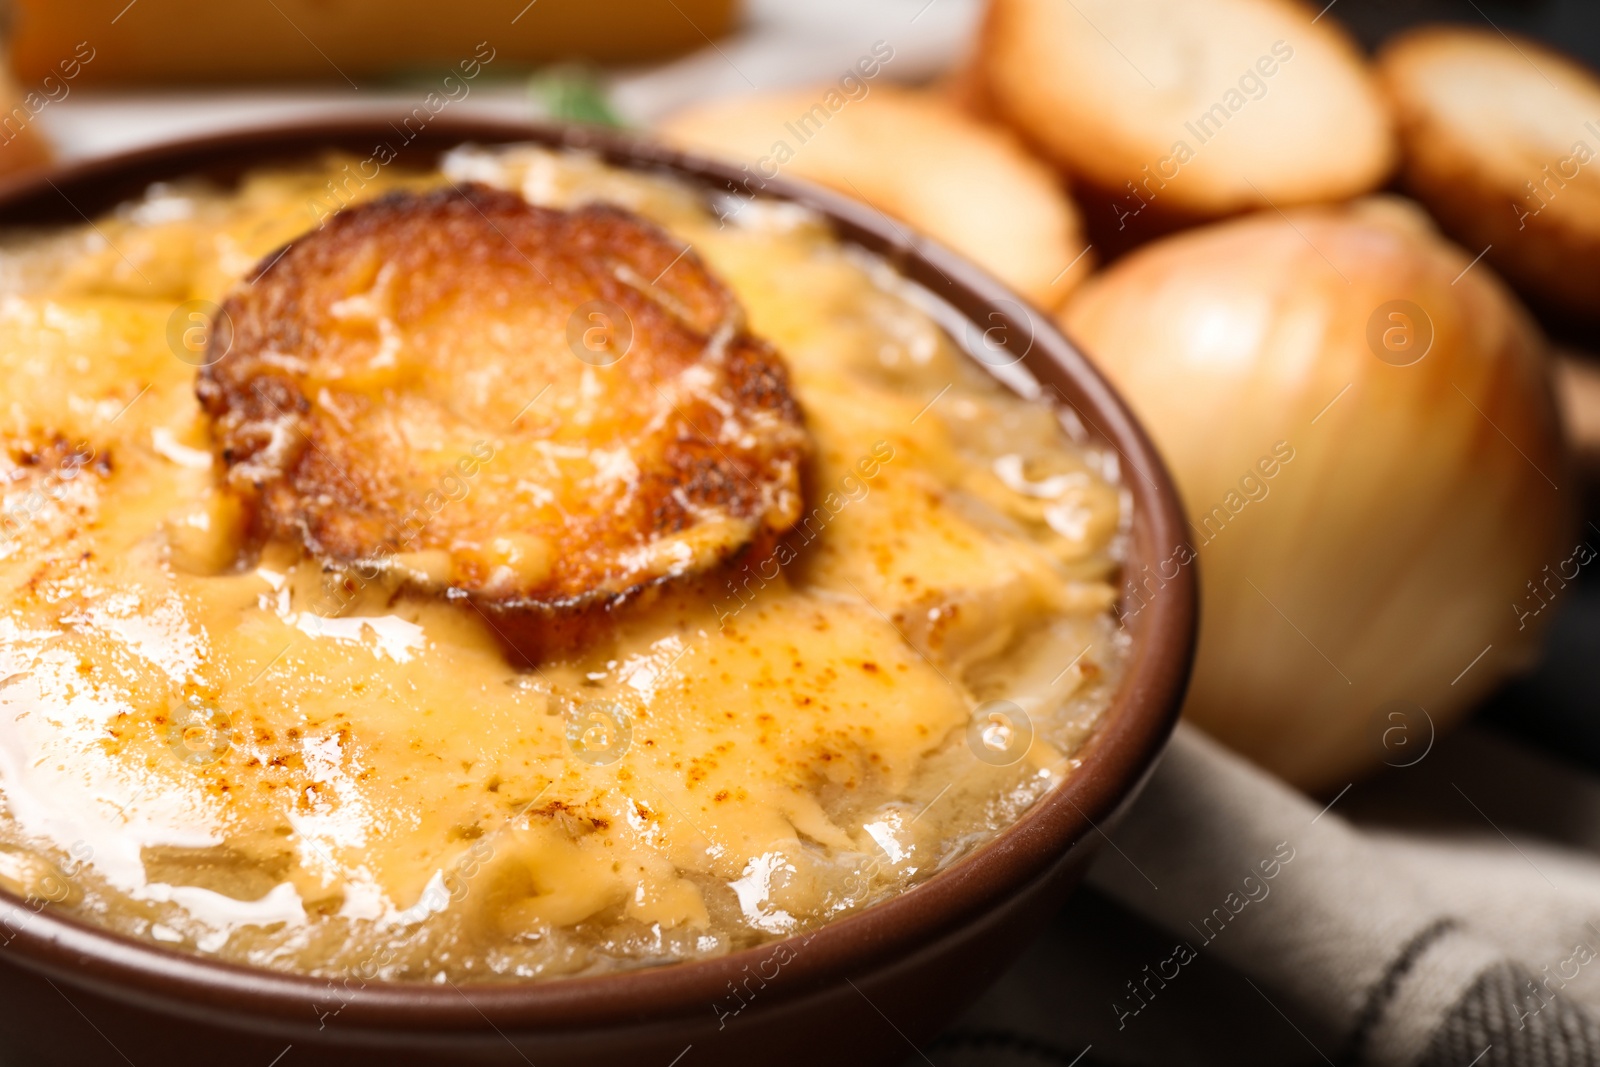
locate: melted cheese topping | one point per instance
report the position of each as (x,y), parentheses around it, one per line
(277,766)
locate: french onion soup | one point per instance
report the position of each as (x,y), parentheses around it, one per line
(525,569)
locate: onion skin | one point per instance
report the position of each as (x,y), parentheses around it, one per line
(1400,539)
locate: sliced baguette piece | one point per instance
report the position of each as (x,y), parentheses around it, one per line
(1190,109)
(913,157)
(1501,140)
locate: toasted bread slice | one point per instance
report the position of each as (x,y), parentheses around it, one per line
(917,158)
(541,410)
(1194,109)
(1501,139)
(21,147)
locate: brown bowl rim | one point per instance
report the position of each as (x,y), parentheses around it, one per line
(1114,762)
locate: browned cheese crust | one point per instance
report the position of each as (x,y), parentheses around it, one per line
(427,384)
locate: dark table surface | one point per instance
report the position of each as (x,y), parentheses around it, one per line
(1571,25)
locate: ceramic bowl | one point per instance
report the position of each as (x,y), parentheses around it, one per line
(867,988)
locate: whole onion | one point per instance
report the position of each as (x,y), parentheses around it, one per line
(1361,424)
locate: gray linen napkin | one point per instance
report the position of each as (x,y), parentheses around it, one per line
(1443,915)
